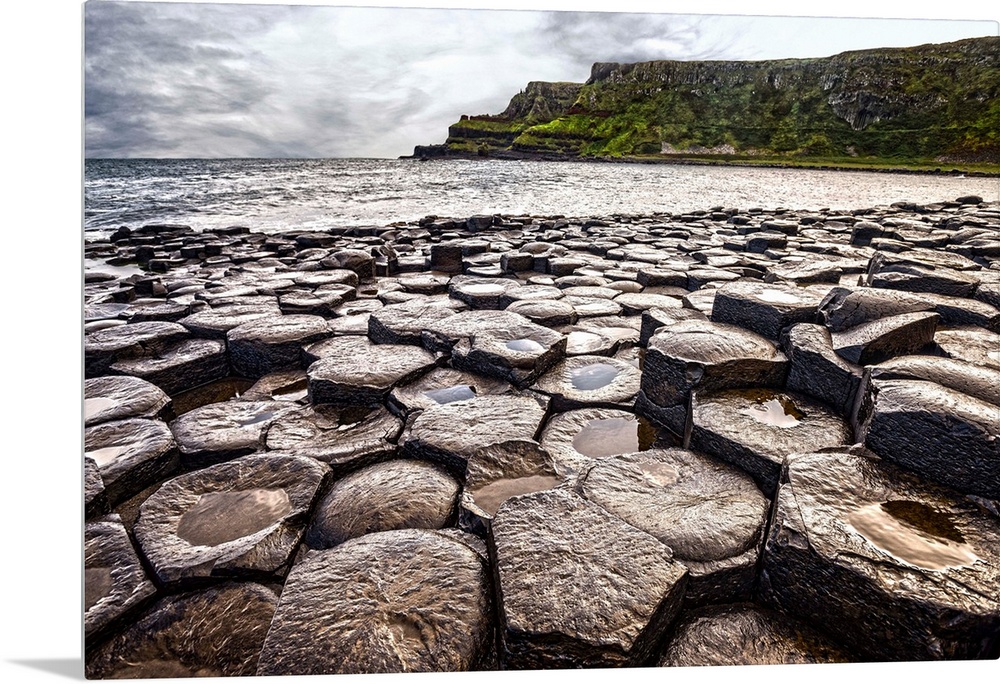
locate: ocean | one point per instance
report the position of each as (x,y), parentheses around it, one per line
(273,195)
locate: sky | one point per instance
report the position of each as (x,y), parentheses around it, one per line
(251,80)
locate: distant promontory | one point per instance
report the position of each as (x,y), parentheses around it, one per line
(924,105)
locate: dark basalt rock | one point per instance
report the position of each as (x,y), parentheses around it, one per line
(402,323)
(547,312)
(763,308)
(981,382)
(583,381)
(117,397)
(442,335)
(392,495)
(179,367)
(944,435)
(343,438)
(114,582)
(816,370)
(634,303)
(351,371)
(882,339)
(94,500)
(518,355)
(241,518)
(497,472)
(449,433)
(654,319)
(274,343)
(481,293)
(214,323)
(290,385)
(970,344)
(747,634)
(104,347)
(845,308)
(397,601)
(703,355)
(130,454)
(225,430)
(754,429)
(215,632)
(901,274)
(577,586)
(443,386)
(709,513)
(872,550)
(575,438)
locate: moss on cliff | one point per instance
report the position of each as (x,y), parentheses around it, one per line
(930,102)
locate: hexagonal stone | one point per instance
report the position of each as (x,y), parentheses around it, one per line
(945,435)
(113,397)
(396,601)
(882,339)
(214,632)
(747,634)
(443,386)
(114,582)
(583,381)
(971,344)
(351,371)
(894,568)
(706,356)
(130,454)
(104,347)
(224,430)
(274,343)
(754,429)
(386,496)
(180,366)
(402,323)
(578,587)
(709,513)
(575,438)
(237,518)
(343,438)
(766,308)
(449,433)
(816,370)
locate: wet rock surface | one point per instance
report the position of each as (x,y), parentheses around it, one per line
(881,551)
(113,578)
(894,330)
(387,496)
(397,601)
(244,517)
(215,632)
(747,634)
(568,598)
(710,514)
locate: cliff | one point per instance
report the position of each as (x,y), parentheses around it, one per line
(932,102)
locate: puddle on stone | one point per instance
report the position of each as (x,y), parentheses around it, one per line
(259,418)
(771,408)
(602,437)
(593,376)
(209,393)
(220,517)
(96,406)
(489,497)
(913,532)
(661,474)
(107,454)
(525,345)
(777,297)
(97,583)
(446,395)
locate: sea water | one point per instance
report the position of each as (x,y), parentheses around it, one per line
(273,195)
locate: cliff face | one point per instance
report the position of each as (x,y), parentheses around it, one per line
(931,101)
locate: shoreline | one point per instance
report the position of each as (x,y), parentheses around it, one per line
(680,160)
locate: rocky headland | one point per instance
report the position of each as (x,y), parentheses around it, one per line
(729,436)
(925,107)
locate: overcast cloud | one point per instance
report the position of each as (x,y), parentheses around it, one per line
(202,80)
